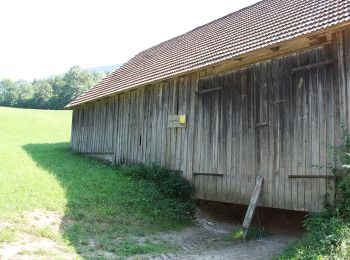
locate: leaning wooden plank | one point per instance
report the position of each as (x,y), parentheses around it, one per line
(252,205)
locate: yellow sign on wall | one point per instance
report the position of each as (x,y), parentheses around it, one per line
(176,121)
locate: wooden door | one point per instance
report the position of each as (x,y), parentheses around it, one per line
(313,111)
(206,138)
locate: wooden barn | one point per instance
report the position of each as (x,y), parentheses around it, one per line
(259,92)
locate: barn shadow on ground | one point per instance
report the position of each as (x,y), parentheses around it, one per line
(81,216)
(103,207)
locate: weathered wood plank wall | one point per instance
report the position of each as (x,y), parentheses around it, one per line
(272,123)
(133,125)
(273,118)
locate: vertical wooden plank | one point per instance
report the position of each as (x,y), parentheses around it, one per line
(125,128)
(161,125)
(297,128)
(157,120)
(147,125)
(285,112)
(134,133)
(296,132)
(119,126)
(216,185)
(343,108)
(346,42)
(323,110)
(223,140)
(305,185)
(229,147)
(338,88)
(91,137)
(271,121)
(165,123)
(330,100)
(315,136)
(206,132)
(173,132)
(122,127)
(81,129)
(274,138)
(185,110)
(292,117)
(168,130)
(87,136)
(191,124)
(263,131)
(245,134)
(115,116)
(236,185)
(73,129)
(137,120)
(196,135)
(178,131)
(152,121)
(252,125)
(198,145)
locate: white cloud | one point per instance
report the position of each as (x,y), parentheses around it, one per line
(45,37)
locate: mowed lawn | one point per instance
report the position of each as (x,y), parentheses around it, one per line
(58,204)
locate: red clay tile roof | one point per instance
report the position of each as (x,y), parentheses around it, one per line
(265,23)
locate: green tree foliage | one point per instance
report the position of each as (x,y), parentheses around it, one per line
(8,93)
(42,93)
(51,93)
(25,92)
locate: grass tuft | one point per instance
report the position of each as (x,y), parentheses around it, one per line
(7,235)
(325,238)
(253,233)
(45,232)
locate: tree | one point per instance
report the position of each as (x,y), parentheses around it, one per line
(52,93)
(77,81)
(42,93)
(8,93)
(25,93)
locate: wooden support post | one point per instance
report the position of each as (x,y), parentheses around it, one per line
(252,205)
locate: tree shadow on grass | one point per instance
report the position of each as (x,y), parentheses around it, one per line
(104,207)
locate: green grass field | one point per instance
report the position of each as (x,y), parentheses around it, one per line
(99,208)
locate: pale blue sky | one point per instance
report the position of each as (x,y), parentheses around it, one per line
(40,38)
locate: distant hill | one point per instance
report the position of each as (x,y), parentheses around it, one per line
(107,69)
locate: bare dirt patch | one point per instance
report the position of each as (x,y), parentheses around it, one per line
(37,237)
(41,219)
(207,241)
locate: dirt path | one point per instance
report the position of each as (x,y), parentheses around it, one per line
(205,240)
(34,236)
